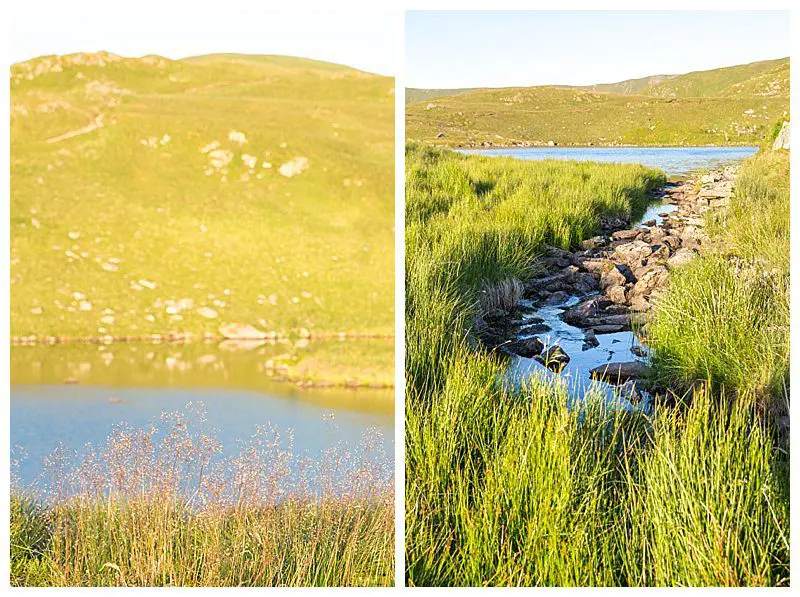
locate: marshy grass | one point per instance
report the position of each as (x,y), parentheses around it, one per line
(528,487)
(158,506)
(725,317)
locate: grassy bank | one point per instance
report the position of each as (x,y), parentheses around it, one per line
(726,315)
(158,507)
(514,488)
(220,189)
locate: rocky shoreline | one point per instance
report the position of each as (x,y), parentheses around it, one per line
(611,282)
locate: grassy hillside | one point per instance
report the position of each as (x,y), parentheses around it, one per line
(732,106)
(419,95)
(151,195)
(629,86)
(768,78)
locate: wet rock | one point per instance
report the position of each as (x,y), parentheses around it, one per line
(618,373)
(584,283)
(630,391)
(612,223)
(639,351)
(554,358)
(616,309)
(557,298)
(590,340)
(649,223)
(608,329)
(526,347)
(547,281)
(587,309)
(681,257)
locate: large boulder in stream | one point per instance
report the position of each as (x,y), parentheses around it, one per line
(619,373)
(525,347)
(579,315)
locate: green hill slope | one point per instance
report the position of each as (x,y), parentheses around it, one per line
(768,78)
(629,86)
(155,196)
(731,106)
(418,95)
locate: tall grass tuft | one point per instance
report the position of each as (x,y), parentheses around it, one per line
(161,507)
(725,317)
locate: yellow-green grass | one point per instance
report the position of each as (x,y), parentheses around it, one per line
(157,543)
(156,506)
(725,317)
(526,487)
(312,251)
(732,106)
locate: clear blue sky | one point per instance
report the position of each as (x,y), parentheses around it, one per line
(506,49)
(362,39)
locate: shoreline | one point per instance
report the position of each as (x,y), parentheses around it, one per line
(531,145)
(190,338)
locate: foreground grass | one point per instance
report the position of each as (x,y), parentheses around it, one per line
(159,543)
(729,106)
(134,227)
(518,488)
(156,507)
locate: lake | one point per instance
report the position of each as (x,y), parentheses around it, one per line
(674,161)
(76,394)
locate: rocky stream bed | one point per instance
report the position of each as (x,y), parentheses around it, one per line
(583,315)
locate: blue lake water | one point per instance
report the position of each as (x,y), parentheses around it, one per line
(71,396)
(44,417)
(674,161)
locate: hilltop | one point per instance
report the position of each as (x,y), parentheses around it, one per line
(152,195)
(736,105)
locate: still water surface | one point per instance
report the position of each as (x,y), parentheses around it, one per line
(674,161)
(77,394)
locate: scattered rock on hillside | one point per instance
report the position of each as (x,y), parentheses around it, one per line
(240,331)
(294,167)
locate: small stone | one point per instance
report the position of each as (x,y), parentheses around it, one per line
(554,358)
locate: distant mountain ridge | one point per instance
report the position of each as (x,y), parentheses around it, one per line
(728,80)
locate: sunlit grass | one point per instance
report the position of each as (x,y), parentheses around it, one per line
(528,487)
(156,506)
